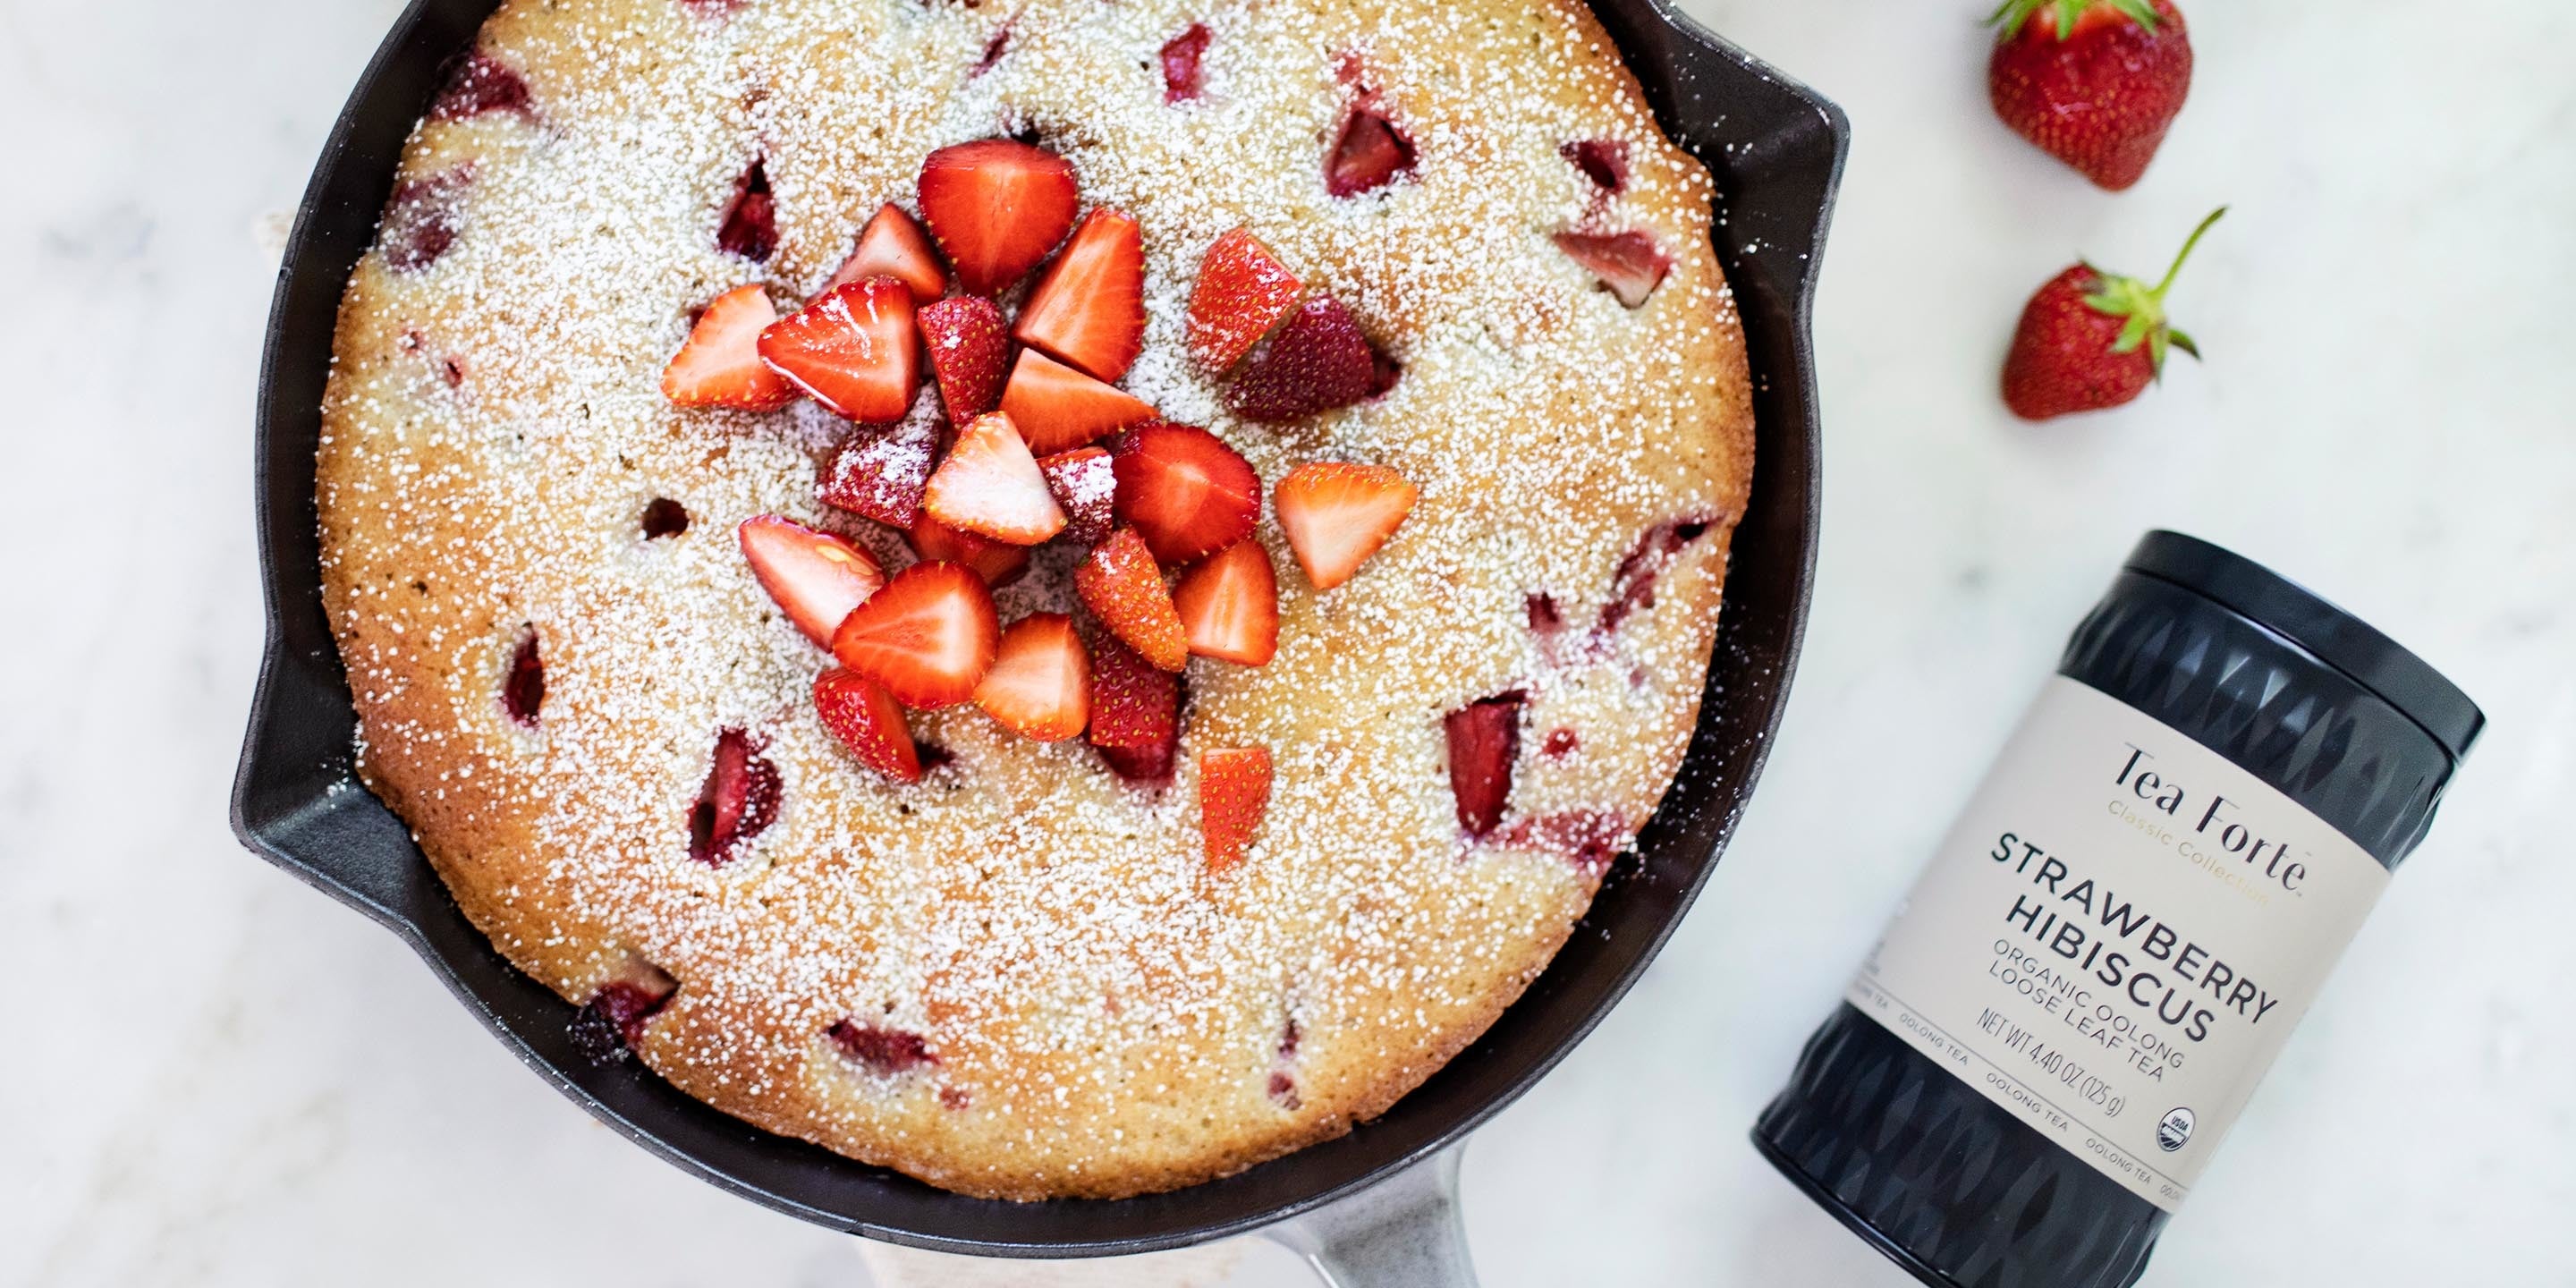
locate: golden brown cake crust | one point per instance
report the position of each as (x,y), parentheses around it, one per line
(1103,1017)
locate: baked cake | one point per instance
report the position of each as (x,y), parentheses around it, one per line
(1061,596)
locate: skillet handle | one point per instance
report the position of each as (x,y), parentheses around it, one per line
(1405,1232)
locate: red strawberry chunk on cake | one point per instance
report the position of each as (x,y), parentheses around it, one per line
(738,801)
(1086,485)
(1337,514)
(999,563)
(881,471)
(1058,408)
(422,221)
(928,637)
(997,206)
(970,354)
(1318,361)
(1234,792)
(750,226)
(855,350)
(1370,152)
(1484,743)
(882,1050)
(1123,587)
(1184,491)
(1243,290)
(817,578)
(892,245)
(615,1019)
(1135,713)
(1040,684)
(990,486)
(480,84)
(1632,587)
(1629,265)
(1088,309)
(1603,161)
(1182,78)
(720,364)
(1229,605)
(523,690)
(867,720)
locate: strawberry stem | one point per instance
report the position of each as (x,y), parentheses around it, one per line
(2187,246)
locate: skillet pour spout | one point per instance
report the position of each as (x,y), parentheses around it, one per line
(1776,151)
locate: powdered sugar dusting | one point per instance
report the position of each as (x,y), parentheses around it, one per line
(1105,1016)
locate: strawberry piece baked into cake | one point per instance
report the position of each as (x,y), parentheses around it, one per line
(1063,597)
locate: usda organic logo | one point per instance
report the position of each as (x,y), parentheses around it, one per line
(2175,1131)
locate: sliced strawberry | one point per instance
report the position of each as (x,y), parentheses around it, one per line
(1630,265)
(738,801)
(1370,153)
(999,563)
(1337,514)
(1135,713)
(997,207)
(1058,408)
(720,365)
(869,722)
(970,353)
(880,471)
(893,246)
(1085,484)
(881,1050)
(990,486)
(1184,491)
(928,637)
(750,227)
(523,688)
(1484,741)
(1089,308)
(1123,587)
(1229,605)
(1182,80)
(1318,361)
(817,577)
(855,349)
(1234,792)
(481,84)
(1243,290)
(1040,684)
(1603,161)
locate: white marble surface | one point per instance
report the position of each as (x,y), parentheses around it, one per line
(213,1075)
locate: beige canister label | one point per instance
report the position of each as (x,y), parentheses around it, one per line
(2118,936)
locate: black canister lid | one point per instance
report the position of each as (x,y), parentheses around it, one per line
(2337,638)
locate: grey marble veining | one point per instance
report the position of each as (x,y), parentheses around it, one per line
(212,1075)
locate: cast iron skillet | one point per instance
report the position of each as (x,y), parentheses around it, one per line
(1776,150)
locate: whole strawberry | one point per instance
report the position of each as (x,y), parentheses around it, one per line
(2095,83)
(2090,340)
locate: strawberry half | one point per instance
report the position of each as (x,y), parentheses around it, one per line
(815,576)
(1319,360)
(928,637)
(855,349)
(970,353)
(1368,155)
(1123,587)
(1229,605)
(880,472)
(1234,792)
(999,563)
(1058,408)
(869,722)
(1135,713)
(738,801)
(1040,684)
(1243,290)
(893,246)
(1184,491)
(1088,309)
(990,486)
(720,365)
(997,207)
(1085,484)
(1484,742)
(1337,514)
(1629,265)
